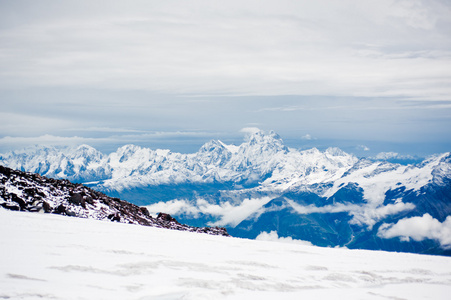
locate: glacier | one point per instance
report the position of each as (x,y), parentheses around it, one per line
(330,198)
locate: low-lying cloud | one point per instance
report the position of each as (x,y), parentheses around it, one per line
(228,214)
(274,237)
(365,215)
(419,229)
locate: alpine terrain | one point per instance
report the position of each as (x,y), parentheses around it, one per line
(328,198)
(20,191)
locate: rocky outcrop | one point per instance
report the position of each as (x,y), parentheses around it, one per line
(30,192)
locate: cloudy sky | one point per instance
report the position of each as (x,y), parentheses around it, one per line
(367,76)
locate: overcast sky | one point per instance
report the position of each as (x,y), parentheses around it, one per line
(367,76)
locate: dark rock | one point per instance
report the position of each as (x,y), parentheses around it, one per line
(60,210)
(70,213)
(47,208)
(144,211)
(114,217)
(76,198)
(167,218)
(88,199)
(19,201)
(219,231)
(6,171)
(30,191)
(14,207)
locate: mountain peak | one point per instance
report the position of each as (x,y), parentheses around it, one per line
(335,151)
(86,152)
(85,148)
(262,139)
(212,145)
(129,148)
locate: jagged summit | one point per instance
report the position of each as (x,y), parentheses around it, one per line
(214,146)
(85,151)
(262,139)
(335,151)
(214,153)
(85,164)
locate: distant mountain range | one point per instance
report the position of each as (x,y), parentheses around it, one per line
(329,198)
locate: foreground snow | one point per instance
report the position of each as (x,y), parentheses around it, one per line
(56,257)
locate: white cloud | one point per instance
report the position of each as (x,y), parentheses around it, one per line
(307,137)
(363,147)
(173,207)
(122,137)
(47,139)
(310,209)
(107,129)
(274,237)
(206,48)
(83,65)
(369,216)
(387,155)
(363,215)
(419,229)
(250,130)
(228,214)
(392,155)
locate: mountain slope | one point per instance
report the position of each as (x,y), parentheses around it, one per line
(46,256)
(34,193)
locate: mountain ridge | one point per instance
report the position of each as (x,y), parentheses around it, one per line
(339,197)
(32,192)
(259,155)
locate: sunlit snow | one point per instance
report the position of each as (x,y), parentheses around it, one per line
(56,257)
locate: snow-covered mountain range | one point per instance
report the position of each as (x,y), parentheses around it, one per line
(261,156)
(327,197)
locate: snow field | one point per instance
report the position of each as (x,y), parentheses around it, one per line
(57,257)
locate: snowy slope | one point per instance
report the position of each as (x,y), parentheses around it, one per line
(21,191)
(55,257)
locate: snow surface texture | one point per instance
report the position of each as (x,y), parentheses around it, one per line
(55,257)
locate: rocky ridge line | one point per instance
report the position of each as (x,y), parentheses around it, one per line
(22,191)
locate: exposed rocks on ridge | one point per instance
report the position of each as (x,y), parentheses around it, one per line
(30,192)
